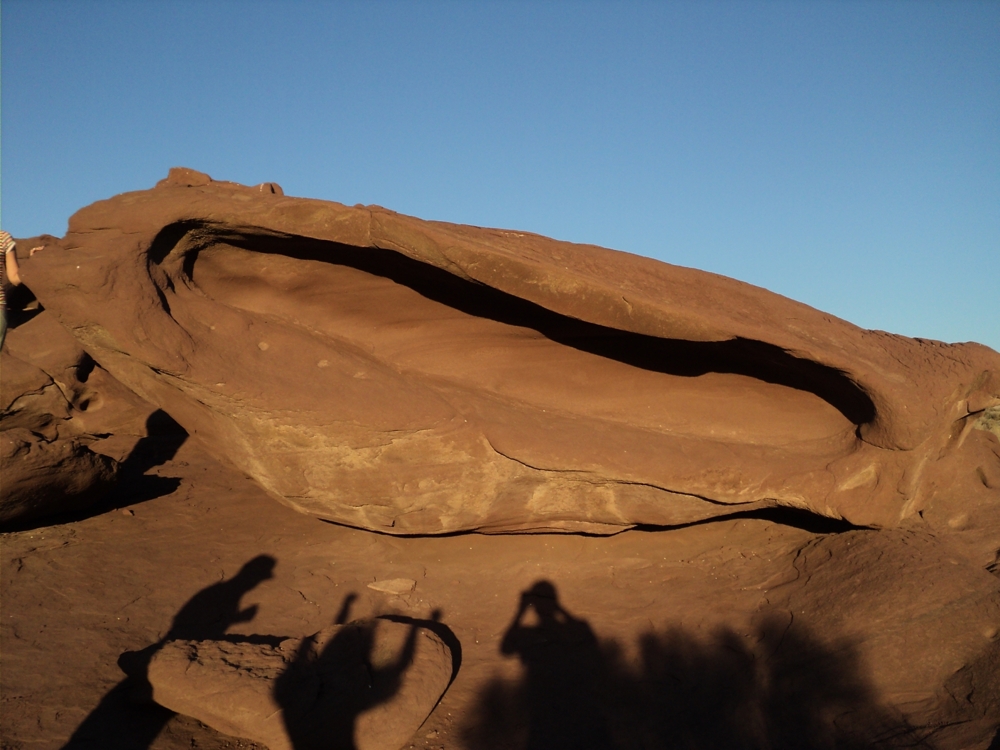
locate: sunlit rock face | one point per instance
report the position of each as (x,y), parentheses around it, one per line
(416,377)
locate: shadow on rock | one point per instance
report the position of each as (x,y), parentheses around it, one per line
(22,306)
(327,687)
(359,685)
(130,483)
(770,688)
(163,439)
(563,673)
(126,717)
(348,686)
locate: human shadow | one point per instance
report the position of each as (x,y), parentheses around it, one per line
(772,687)
(164,437)
(563,670)
(332,680)
(126,718)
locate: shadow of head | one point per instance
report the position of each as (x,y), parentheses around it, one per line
(257,570)
(164,437)
(543,598)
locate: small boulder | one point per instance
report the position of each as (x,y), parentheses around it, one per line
(397,586)
(184,177)
(368,685)
(271,188)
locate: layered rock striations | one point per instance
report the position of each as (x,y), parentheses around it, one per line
(417,377)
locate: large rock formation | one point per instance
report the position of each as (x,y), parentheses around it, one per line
(416,377)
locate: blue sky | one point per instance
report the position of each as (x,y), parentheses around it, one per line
(845,154)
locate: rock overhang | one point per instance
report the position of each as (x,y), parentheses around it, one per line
(492,380)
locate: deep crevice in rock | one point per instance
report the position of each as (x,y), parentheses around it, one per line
(756,359)
(794,517)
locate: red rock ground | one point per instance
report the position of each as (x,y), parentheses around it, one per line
(76,595)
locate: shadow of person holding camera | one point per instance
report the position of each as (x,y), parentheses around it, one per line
(563,673)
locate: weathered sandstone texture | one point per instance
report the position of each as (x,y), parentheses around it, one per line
(416,377)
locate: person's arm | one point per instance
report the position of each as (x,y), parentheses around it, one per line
(13,270)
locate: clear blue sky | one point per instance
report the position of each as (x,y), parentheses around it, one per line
(845,154)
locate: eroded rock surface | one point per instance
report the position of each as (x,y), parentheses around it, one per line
(65,424)
(922,621)
(46,460)
(416,377)
(366,685)
(43,478)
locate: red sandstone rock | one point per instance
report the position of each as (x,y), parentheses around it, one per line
(42,479)
(65,424)
(417,377)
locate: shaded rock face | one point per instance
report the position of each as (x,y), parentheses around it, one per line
(366,685)
(42,478)
(58,410)
(415,377)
